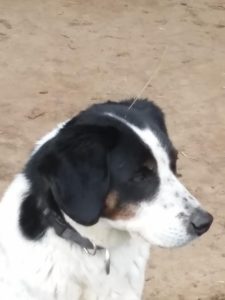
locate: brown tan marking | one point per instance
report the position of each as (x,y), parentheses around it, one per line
(114,211)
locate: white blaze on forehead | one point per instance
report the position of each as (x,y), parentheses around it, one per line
(149,139)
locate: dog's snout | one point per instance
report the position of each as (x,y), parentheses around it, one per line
(200,221)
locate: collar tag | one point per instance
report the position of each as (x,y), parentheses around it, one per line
(93,252)
(107,261)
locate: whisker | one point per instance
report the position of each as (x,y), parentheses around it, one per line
(154,73)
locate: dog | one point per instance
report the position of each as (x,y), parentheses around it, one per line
(96,193)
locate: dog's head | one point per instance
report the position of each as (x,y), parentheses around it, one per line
(119,164)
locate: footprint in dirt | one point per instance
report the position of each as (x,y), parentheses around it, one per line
(5,23)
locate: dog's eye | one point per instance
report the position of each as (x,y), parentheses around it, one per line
(150,164)
(142,174)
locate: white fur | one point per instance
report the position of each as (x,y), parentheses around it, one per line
(52,268)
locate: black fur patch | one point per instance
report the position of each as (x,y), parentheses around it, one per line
(31,218)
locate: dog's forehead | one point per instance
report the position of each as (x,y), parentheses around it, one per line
(148,137)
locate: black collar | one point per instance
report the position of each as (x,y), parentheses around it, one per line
(66,231)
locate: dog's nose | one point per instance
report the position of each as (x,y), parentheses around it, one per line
(200,221)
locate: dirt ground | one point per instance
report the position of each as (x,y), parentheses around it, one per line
(59,56)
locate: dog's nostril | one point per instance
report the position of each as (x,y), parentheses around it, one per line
(200,221)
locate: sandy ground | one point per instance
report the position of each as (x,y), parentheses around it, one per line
(59,56)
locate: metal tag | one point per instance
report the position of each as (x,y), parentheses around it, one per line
(107,261)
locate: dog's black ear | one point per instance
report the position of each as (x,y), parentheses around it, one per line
(75,170)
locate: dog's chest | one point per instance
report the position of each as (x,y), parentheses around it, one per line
(86,277)
(54,270)
(126,278)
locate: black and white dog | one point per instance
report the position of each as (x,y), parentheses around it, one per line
(78,222)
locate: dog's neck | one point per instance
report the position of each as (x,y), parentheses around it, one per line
(102,233)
